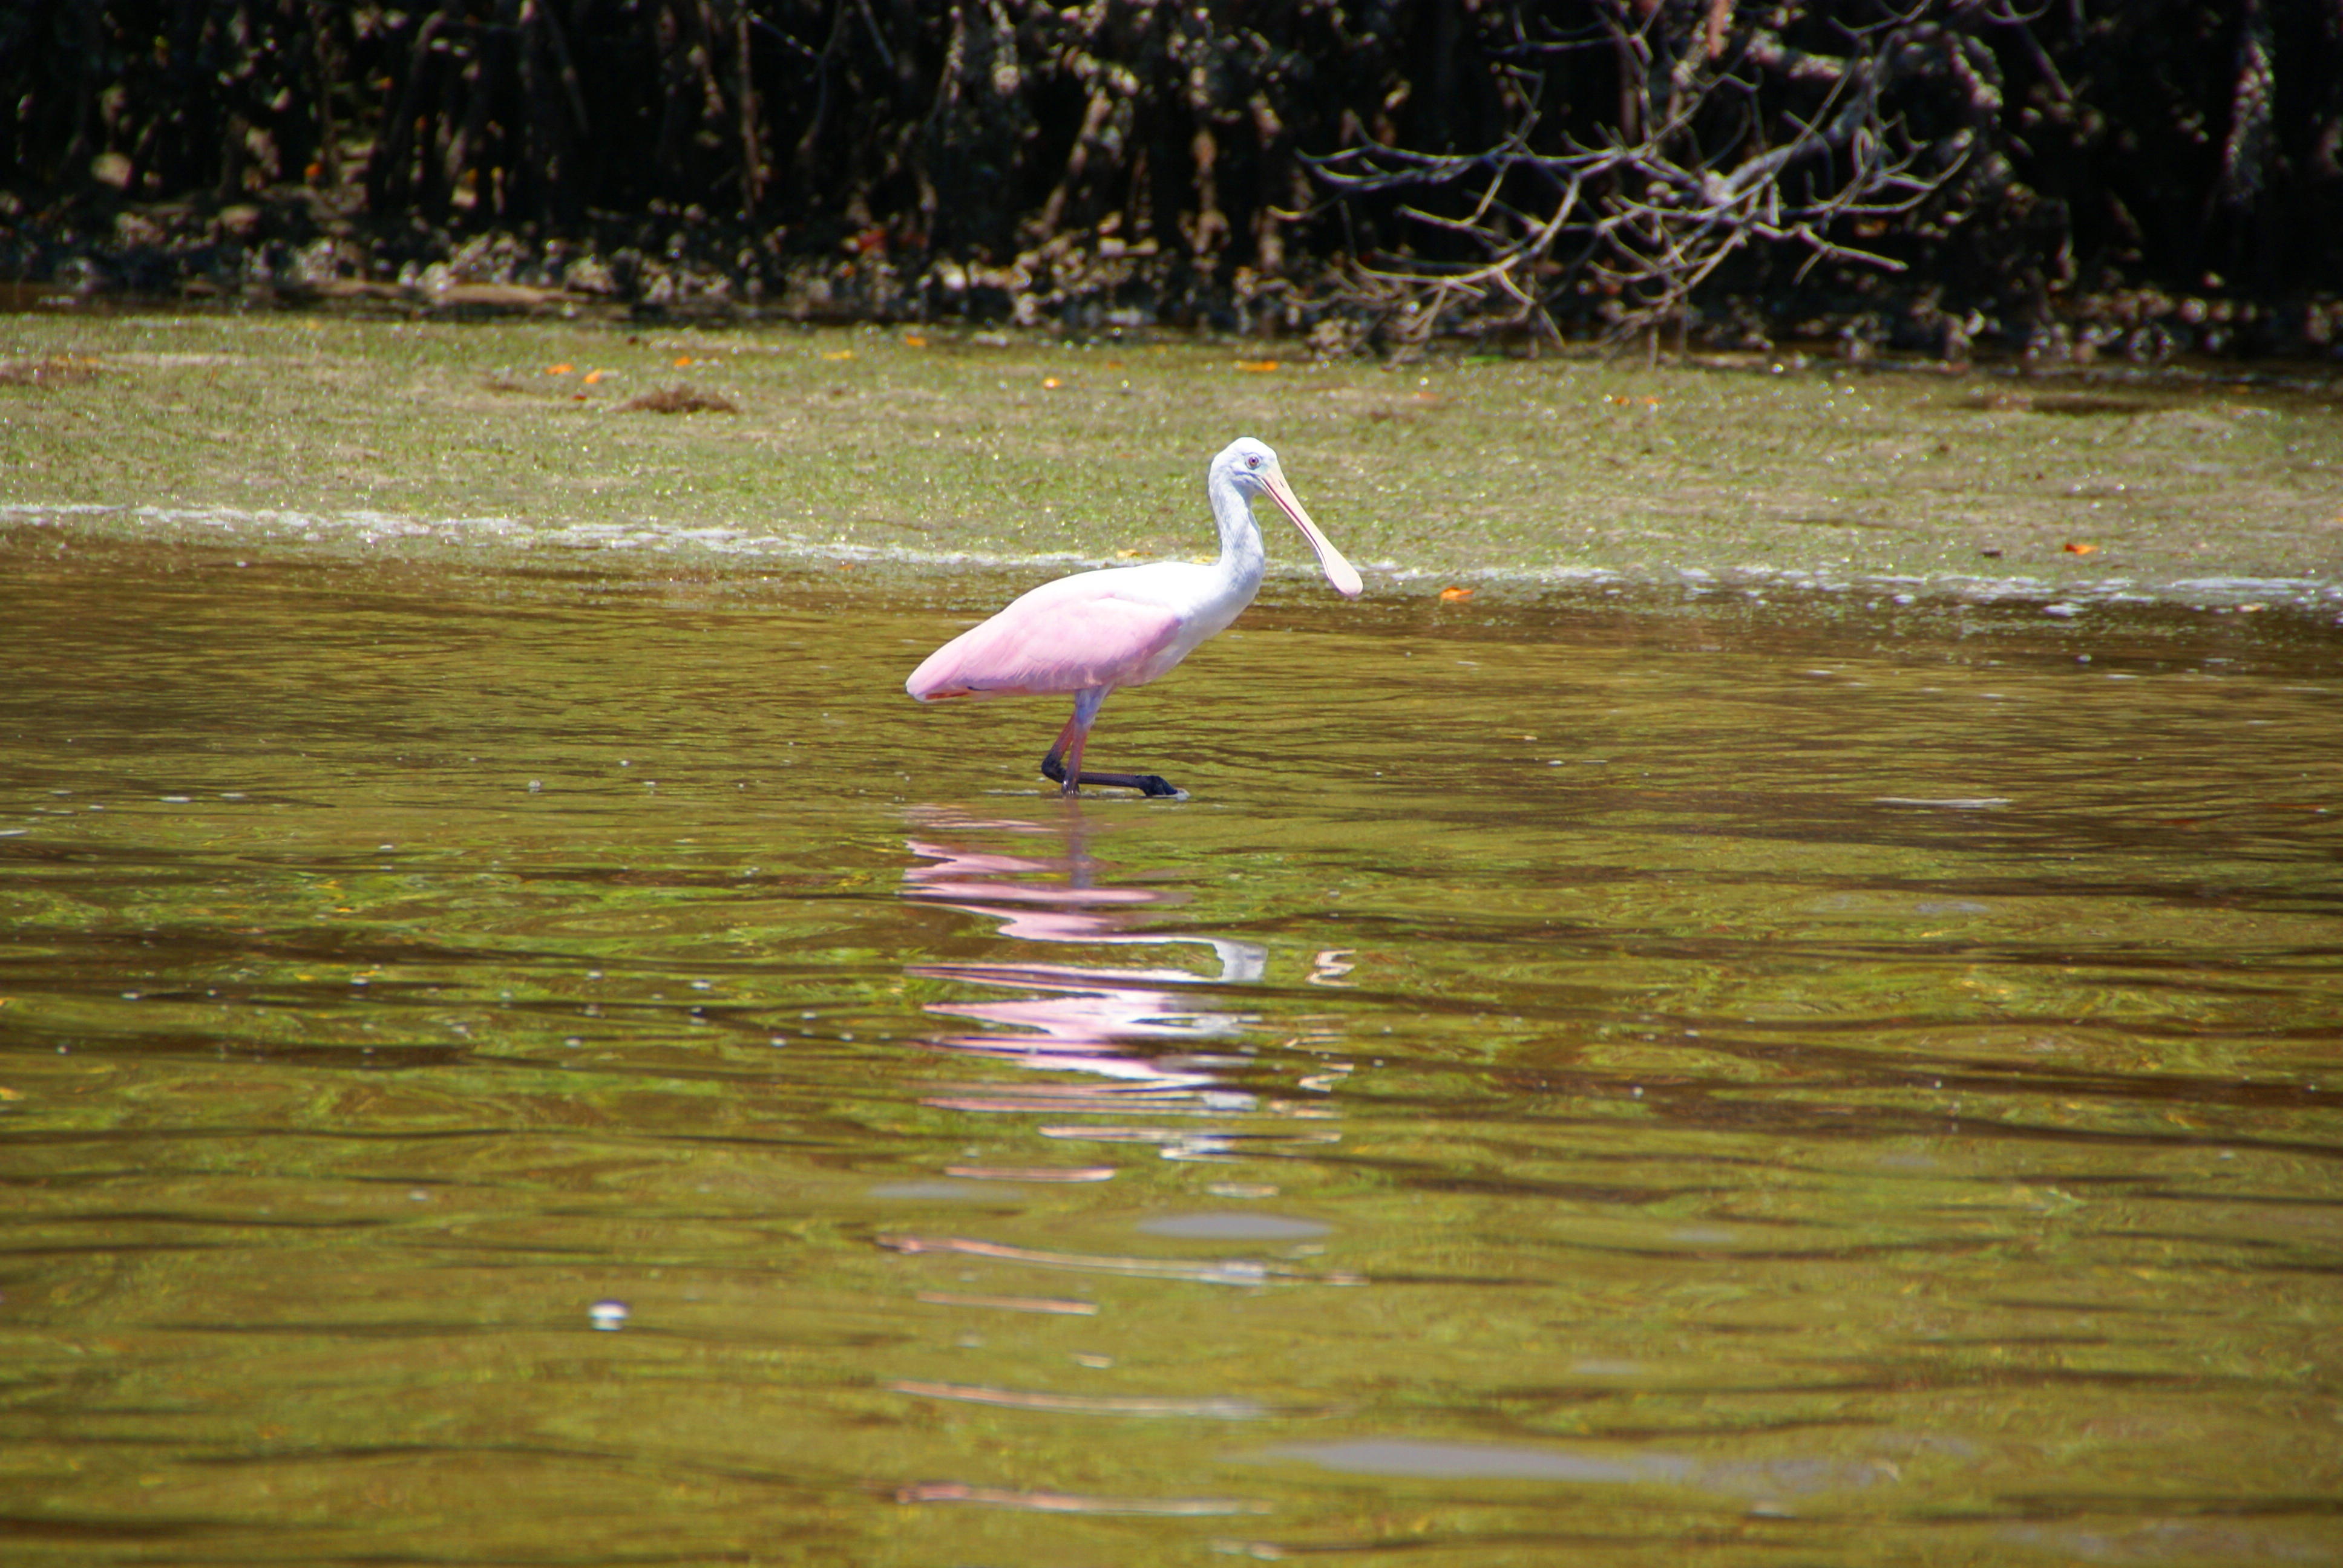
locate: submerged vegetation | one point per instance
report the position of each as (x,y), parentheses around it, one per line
(2076,179)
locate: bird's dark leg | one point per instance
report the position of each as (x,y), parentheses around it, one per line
(1063,765)
(1053,767)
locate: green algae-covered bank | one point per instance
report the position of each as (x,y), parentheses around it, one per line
(899,448)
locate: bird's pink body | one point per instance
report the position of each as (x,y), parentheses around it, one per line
(1102,629)
(1088,634)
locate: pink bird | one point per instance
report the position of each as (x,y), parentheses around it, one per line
(1126,626)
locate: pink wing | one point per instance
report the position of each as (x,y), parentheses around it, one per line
(1049,643)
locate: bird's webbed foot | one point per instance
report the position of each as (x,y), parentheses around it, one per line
(1145,783)
(1150,784)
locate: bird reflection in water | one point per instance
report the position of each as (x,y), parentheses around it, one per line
(1155,1030)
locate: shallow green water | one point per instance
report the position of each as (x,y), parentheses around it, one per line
(1615,1079)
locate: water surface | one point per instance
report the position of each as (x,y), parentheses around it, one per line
(534,1066)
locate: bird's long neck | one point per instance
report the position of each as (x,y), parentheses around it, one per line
(1242,559)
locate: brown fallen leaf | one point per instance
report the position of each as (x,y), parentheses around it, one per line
(2080,549)
(679,400)
(56,371)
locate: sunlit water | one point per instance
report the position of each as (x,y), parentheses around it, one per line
(504,1068)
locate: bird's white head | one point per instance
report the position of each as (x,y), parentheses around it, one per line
(1252,468)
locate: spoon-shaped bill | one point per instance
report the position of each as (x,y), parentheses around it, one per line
(1339,571)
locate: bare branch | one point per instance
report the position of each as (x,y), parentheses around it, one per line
(1681,183)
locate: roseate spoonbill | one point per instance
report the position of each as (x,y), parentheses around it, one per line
(1126,626)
